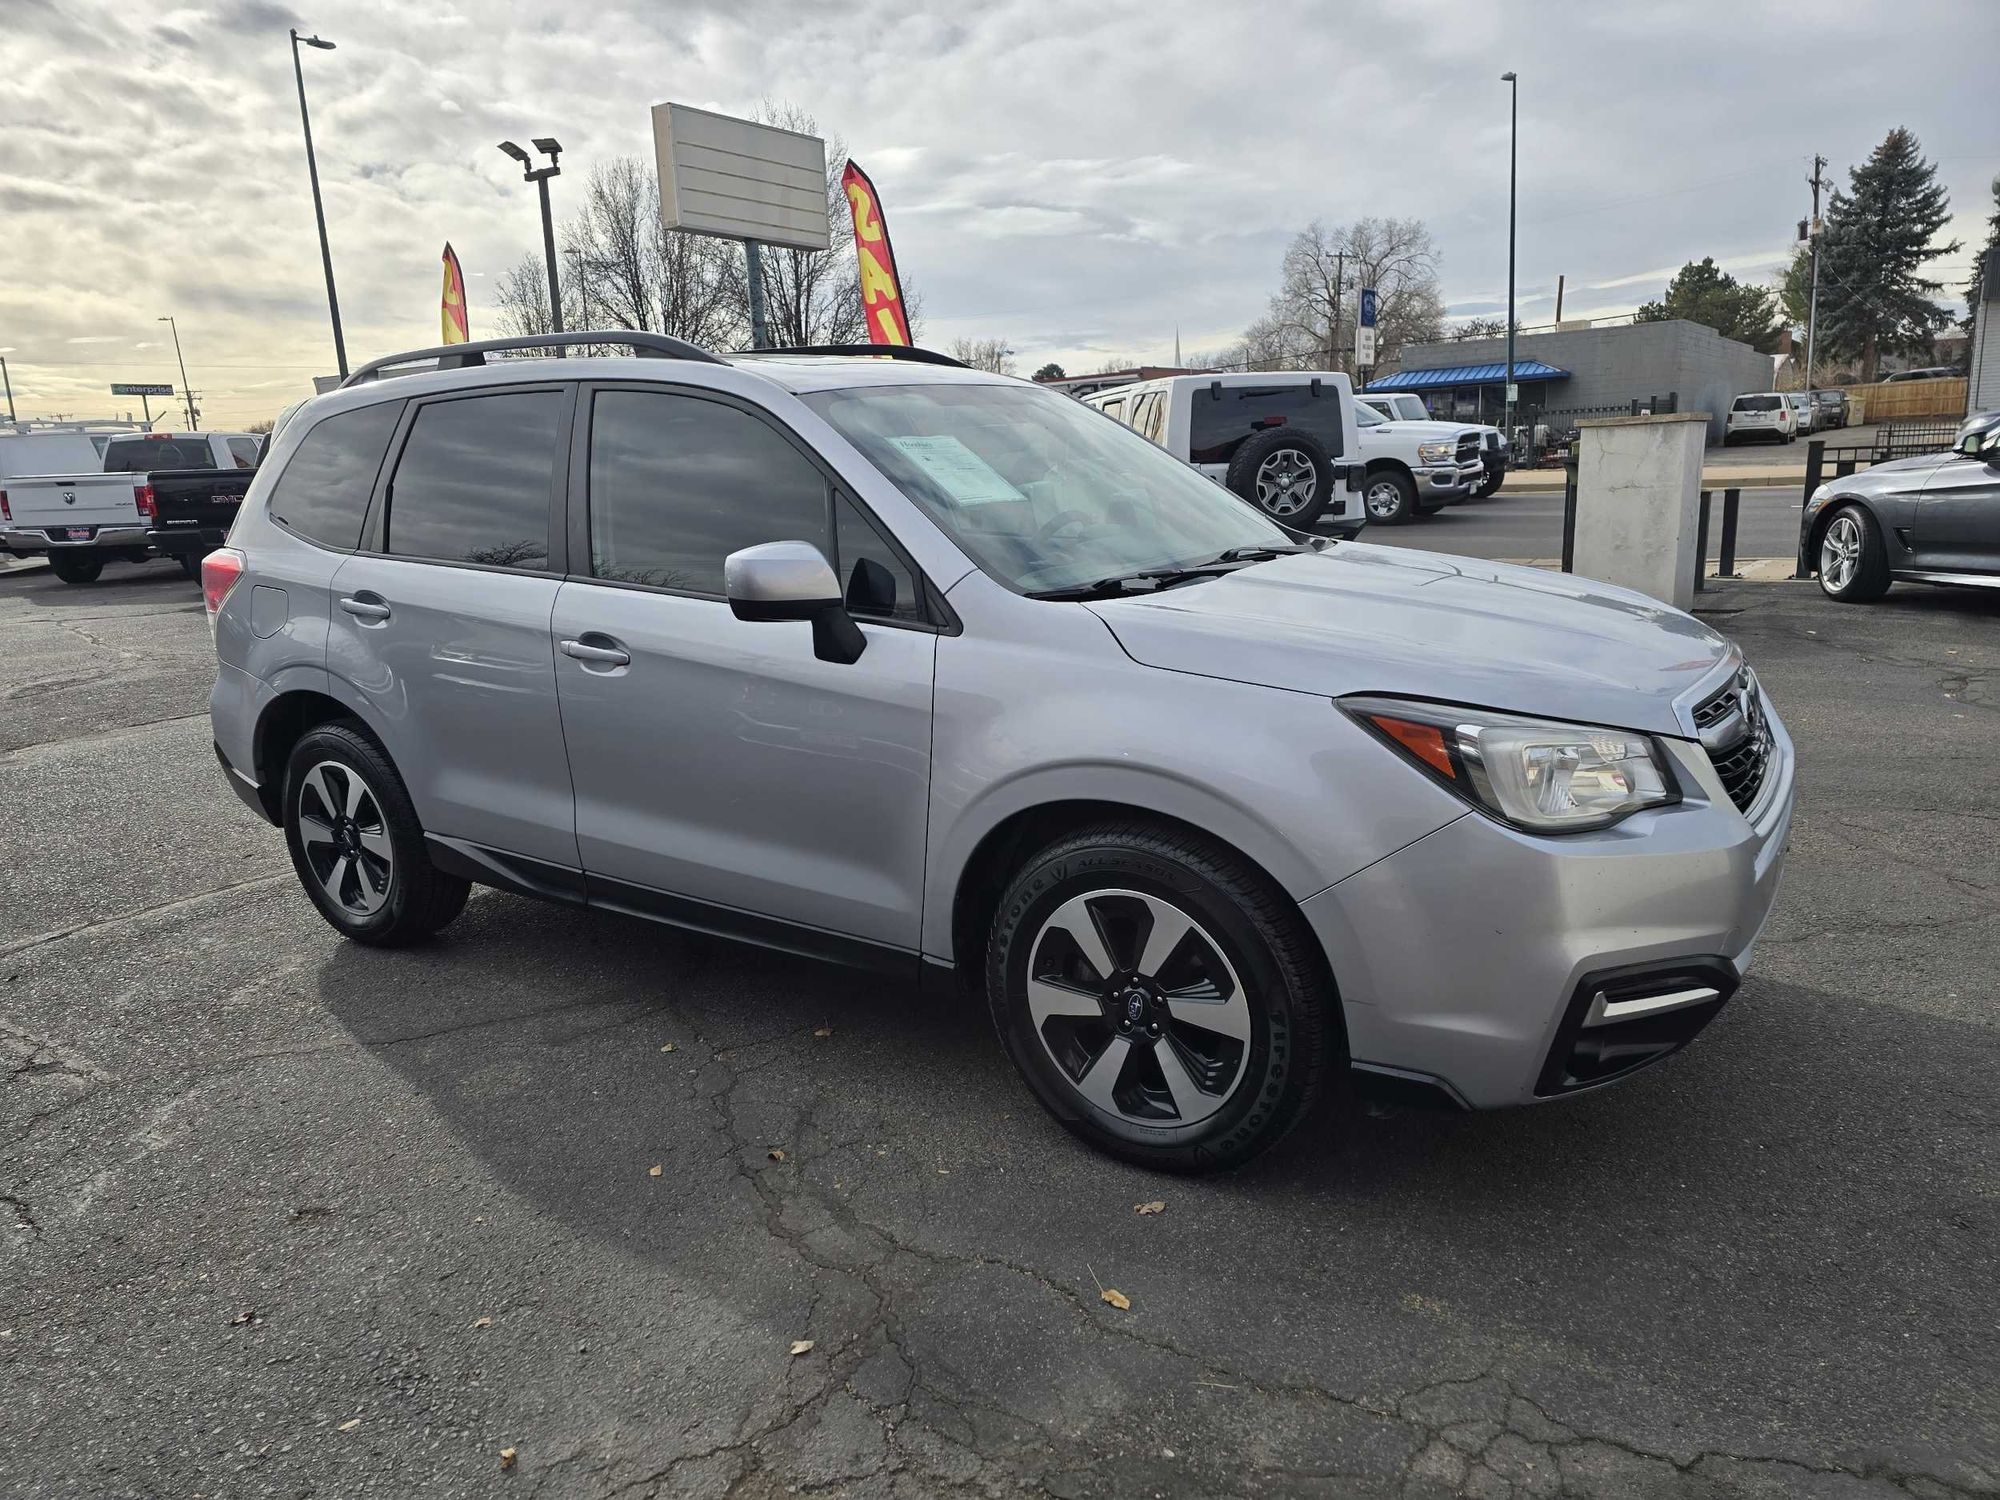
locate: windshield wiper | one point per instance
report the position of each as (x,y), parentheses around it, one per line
(1166,578)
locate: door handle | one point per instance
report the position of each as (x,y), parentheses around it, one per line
(603,656)
(364,607)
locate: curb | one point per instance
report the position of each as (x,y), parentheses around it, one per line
(1552,479)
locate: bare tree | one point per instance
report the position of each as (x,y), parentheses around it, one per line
(1310,322)
(991,355)
(1479,328)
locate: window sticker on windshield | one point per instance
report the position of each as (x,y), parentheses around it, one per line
(961,473)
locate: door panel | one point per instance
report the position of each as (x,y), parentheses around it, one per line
(459,668)
(726,763)
(1958,517)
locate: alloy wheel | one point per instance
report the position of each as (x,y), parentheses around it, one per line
(1840,553)
(345,838)
(1139,1008)
(1286,482)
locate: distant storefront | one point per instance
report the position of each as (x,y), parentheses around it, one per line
(1569,374)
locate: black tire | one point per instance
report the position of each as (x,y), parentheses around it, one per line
(190,564)
(1285,462)
(1271,970)
(73,569)
(413,898)
(1869,578)
(1394,491)
(1490,486)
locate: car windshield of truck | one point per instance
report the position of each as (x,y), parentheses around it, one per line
(157,455)
(1758,403)
(1041,491)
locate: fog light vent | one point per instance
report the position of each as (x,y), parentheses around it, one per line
(1621,1020)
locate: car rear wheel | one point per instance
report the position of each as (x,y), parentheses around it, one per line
(1285,475)
(73,569)
(1161,998)
(1853,567)
(356,843)
(1389,497)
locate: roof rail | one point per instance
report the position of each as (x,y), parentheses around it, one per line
(467,356)
(883,351)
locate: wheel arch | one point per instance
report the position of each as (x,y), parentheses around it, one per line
(1835,504)
(284,721)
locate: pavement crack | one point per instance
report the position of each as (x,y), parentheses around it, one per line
(119,919)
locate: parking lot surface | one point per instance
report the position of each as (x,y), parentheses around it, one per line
(1522,524)
(565,1204)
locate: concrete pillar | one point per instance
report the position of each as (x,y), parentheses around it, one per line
(1638,502)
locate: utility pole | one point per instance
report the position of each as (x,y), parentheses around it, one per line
(753,279)
(9,381)
(1513,138)
(186,394)
(1812,232)
(1339,289)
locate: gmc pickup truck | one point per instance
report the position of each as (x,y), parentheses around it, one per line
(157,494)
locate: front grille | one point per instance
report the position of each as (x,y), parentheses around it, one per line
(1737,737)
(1468,448)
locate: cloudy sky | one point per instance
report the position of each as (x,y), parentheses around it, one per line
(1077,178)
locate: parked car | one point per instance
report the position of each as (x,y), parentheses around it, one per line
(82,520)
(198,479)
(1416,468)
(1284,441)
(1830,409)
(1931,519)
(1929,372)
(1804,412)
(1494,453)
(889,660)
(1765,415)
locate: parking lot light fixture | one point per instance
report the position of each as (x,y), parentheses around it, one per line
(319,209)
(1513,138)
(186,394)
(550,147)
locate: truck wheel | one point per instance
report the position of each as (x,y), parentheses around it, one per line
(190,564)
(1390,497)
(1490,485)
(73,569)
(1853,567)
(356,844)
(1161,997)
(1285,475)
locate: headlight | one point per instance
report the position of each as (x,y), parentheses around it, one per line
(1436,453)
(1538,775)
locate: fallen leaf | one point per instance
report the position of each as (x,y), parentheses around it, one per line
(1116,1298)
(506,1458)
(482,1322)
(671,1047)
(243,1317)
(1157,1206)
(350,1424)
(777,1153)
(654,1171)
(822,1031)
(801,1346)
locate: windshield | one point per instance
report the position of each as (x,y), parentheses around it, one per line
(1757,403)
(156,455)
(1038,489)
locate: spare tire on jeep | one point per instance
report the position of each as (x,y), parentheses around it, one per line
(1284,474)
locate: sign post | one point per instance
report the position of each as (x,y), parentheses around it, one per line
(1364,335)
(126,388)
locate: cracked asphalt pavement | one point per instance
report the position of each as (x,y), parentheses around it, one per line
(284,1216)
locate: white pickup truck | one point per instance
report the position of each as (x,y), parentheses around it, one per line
(1407,406)
(94,502)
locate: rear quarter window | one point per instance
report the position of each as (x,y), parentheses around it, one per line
(323,492)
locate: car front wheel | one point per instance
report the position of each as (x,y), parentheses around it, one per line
(1853,567)
(356,843)
(1389,497)
(1163,999)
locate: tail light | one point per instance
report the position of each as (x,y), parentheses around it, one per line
(6,510)
(148,507)
(219,573)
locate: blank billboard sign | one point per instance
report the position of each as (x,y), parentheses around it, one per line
(740,180)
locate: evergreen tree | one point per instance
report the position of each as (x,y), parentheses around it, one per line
(1703,294)
(1873,296)
(1975,284)
(1050,371)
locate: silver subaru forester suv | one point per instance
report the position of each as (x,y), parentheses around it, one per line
(896,663)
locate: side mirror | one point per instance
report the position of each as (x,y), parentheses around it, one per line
(793,581)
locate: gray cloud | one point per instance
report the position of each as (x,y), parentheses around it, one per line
(1080,180)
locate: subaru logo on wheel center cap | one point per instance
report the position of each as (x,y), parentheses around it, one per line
(1135,1005)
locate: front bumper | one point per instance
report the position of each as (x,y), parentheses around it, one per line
(1474,957)
(1449,481)
(27,539)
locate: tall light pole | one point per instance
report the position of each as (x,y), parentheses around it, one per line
(1810,231)
(1513,138)
(9,380)
(186,394)
(540,176)
(319,210)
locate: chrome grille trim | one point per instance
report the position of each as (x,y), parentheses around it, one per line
(1736,734)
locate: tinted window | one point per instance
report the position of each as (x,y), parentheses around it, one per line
(678,483)
(1758,403)
(245,451)
(157,455)
(872,576)
(474,479)
(1219,427)
(323,493)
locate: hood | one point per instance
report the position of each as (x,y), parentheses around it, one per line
(1423,432)
(1363,619)
(1896,475)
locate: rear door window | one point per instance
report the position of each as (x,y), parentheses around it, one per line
(475,481)
(1149,417)
(1219,427)
(323,492)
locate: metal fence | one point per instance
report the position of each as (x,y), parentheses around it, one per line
(1544,436)
(1826,460)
